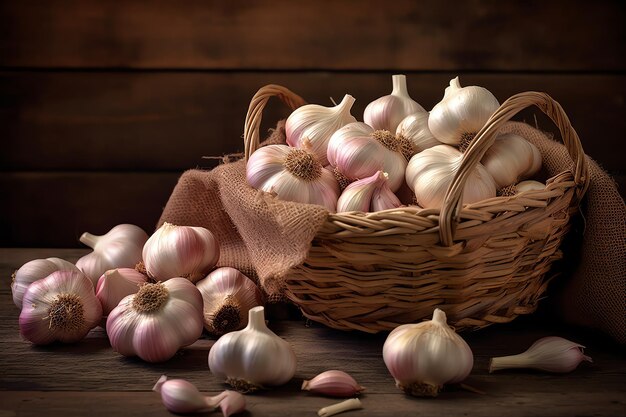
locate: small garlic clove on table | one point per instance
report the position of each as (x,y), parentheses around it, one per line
(333,383)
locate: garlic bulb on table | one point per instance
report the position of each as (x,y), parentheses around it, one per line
(511,158)
(293,174)
(461,113)
(120,247)
(430,173)
(180,251)
(414,129)
(254,357)
(157,321)
(386,113)
(423,357)
(227,296)
(368,195)
(61,307)
(33,271)
(313,125)
(115,284)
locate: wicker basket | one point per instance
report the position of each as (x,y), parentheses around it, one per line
(482,263)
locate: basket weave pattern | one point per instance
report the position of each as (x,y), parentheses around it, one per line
(483,263)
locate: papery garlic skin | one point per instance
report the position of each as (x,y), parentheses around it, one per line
(511,158)
(430,173)
(293,175)
(316,124)
(116,284)
(61,307)
(461,113)
(157,321)
(369,194)
(551,354)
(33,271)
(180,251)
(423,357)
(386,113)
(414,128)
(333,383)
(254,357)
(227,296)
(120,247)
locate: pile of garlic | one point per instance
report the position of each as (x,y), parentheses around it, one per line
(333,160)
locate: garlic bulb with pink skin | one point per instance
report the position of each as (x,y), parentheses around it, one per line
(387,112)
(369,194)
(180,251)
(120,247)
(116,284)
(157,321)
(33,271)
(414,128)
(315,124)
(61,307)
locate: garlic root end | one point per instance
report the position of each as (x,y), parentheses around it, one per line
(243,386)
(420,389)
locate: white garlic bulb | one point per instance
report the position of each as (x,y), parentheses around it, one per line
(293,174)
(511,158)
(430,173)
(461,113)
(386,113)
(254,357)
(316,124)
(414,128)
(368,195)
(120,247)
(529,185)
(180,251)
(422,357)
(33,271)
(227,296)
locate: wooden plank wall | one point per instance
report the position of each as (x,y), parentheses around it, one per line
(104,104)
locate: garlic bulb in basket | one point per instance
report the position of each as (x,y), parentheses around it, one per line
(33,271)
(387,112)
(510,159)
(414,129)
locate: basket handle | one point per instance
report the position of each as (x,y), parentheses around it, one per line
(486,137)
(252,124)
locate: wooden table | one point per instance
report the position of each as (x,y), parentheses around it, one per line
(88,378)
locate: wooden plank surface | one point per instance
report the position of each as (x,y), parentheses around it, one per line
(88,377)
(242,34)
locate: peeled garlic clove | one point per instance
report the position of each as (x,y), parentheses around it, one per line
(33,271)
(228,295)
(511,158)
(423,357)
(387,112)
(334,383)
(120,247)
(180,396)
(414,128)
(551,354)
(461,113)
(430,172)
(61,307)
(317,124)
(347,405)
(116,284)
(180,251)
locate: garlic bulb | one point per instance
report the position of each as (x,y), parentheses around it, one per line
(254,357)
(430,172)
(369,194)
(358,151)
(461,113)
(387,112)
(511,158)
(61,307)
(180,251)
(33,271)
(315,124)
(333,383)
(528,185)
(119,248)
(157,321)
(180,396)
(423,357)
(293,174)
(115,284)
(551,354)
(227,296)
(414,129)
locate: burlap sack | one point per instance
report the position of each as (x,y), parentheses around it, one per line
(265,237)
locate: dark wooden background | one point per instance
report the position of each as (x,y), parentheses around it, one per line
(104,104)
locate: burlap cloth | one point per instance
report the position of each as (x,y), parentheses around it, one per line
(265,237)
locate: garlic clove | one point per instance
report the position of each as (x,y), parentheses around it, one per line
(551,354)
(33,271)
(347,405)
(387,112)
(227,296)
(358,195)
(180,251)
(414,128)
(529,185)
(333,383)
(116,284)
(383,198)
(180,396)
(231,402)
